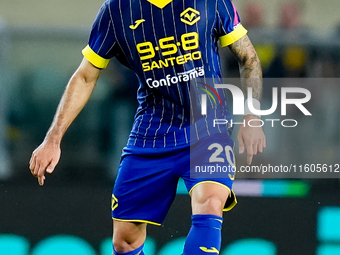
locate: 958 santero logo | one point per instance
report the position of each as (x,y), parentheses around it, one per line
(168,48)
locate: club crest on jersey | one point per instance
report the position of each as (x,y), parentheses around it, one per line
(190,16)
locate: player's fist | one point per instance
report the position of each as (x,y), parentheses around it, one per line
(251,139)
(44,159)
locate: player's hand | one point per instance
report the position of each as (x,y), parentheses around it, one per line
(251,139)
(44,159)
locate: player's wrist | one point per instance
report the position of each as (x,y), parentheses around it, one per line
(251,105)
(251,117)
(53,138)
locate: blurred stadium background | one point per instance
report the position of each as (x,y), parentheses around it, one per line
(40,47)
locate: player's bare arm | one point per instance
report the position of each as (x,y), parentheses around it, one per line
(77,93)
(251,139)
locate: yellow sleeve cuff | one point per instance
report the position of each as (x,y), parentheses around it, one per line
(94,58)
(234,36)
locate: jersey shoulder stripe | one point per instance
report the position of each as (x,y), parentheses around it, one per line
(169,44)
(234,36)
(94,58)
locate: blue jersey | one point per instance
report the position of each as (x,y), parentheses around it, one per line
(171,45)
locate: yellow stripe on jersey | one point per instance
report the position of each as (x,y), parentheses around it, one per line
(139,221)
(232,195)
(233,203)
(94,58)
(160,3)
(234,36)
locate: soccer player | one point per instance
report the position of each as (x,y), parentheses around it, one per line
(171,45)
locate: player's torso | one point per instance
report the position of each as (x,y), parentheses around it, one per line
(169,44)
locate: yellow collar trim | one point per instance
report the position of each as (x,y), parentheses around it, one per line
(160,3)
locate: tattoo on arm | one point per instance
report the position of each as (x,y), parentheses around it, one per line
(250,67)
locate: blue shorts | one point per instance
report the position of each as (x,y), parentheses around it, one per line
(147,178)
